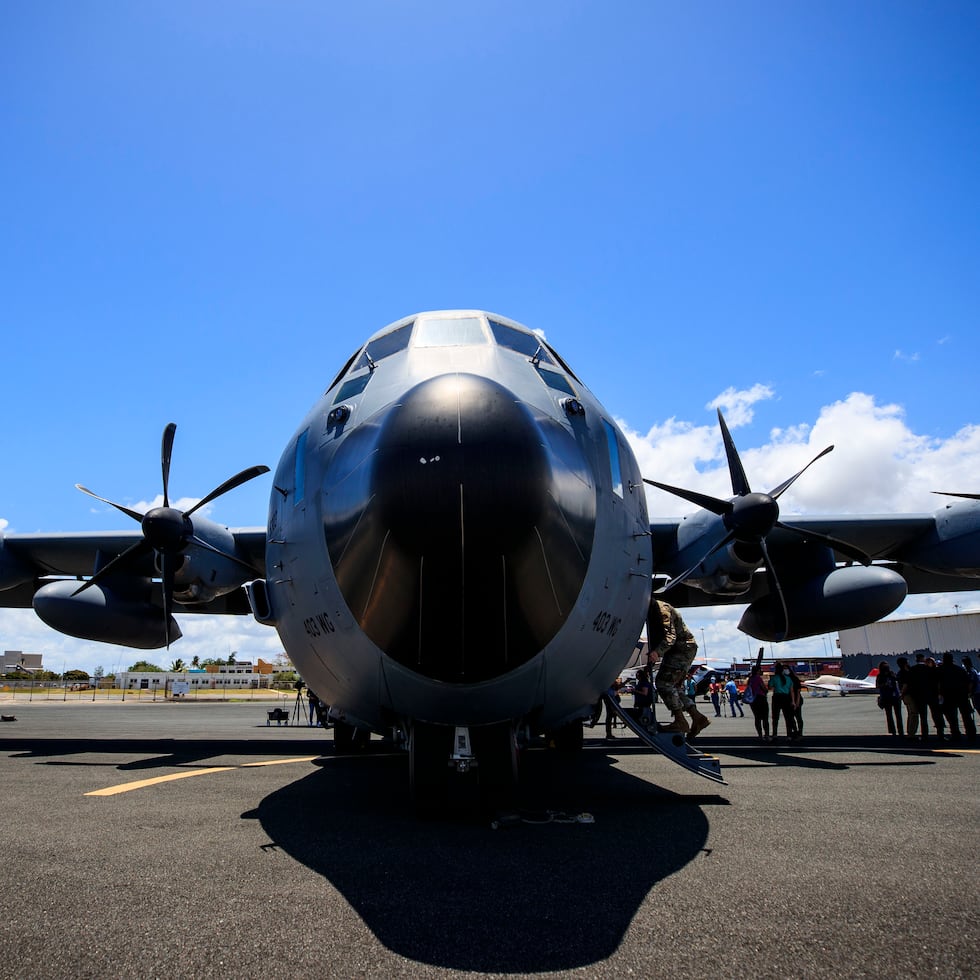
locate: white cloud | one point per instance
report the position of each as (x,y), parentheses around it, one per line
(183,504)
(900,355)
(736,405)
(878,465)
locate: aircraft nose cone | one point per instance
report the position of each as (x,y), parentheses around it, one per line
(476,542)
(460,462)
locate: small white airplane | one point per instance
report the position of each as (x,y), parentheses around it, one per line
(830,684)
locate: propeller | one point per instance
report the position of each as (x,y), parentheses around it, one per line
(749,517)
(167,531)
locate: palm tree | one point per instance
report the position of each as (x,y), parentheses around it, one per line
(196,661)
(178,665)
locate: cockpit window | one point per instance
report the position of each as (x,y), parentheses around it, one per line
(567,369)
(615,467)
(343,370)
(384,346)
(555,380)
(525,343)
(352,387)
(449,332)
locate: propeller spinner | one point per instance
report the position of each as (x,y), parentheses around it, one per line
(167,531)
(750,517)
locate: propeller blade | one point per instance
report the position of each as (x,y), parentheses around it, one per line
(842,546)
(167,531)
(677,579)
(166,448)
(716,506)
(740,483)
(775,587)
(786,484)
(965,496)
(207,546)
(134,551)
(235,481)
(169,574)
(129,513)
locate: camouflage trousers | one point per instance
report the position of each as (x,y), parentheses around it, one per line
(672,675)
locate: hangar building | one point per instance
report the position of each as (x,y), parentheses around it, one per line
(865,647)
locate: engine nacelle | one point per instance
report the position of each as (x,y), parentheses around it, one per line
(836,600)
(100,614)
(204,574)
(728,571)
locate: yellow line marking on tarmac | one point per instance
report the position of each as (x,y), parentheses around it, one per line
(280,762)
(170,777)
(957,751)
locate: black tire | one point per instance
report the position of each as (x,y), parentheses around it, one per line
(495,747)
(570,737)
(428,765)
(343,736)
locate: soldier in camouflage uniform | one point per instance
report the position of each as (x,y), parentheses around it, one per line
(673,643)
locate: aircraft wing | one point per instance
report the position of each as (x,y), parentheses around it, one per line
(213,569)
(698,562)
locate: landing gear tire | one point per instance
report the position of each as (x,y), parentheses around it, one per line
(428,766)
(570,737)
(347,738)
(495,747)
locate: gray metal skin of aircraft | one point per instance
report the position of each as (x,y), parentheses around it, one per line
(458,538)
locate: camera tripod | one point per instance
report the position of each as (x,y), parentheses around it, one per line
(299,709)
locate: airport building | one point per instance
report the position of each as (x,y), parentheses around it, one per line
(866,646)
(15,661)
(241,676)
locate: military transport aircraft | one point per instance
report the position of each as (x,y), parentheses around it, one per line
(458,551)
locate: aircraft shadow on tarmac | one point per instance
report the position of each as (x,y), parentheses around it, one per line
(884,749)
(451,892)
(153,753)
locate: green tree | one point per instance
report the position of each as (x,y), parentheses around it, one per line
(178,665)
(283,680)
(195,661)
(76,675)
(143,666)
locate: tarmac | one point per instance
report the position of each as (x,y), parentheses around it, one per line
(148,839)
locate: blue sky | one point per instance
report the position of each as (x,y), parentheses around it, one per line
(768,206)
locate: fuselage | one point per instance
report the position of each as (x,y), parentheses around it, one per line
(457,532)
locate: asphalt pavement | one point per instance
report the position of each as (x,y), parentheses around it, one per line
(218,846)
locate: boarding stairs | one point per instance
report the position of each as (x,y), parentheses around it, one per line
(671,744)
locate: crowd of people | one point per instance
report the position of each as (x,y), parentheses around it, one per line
(947,693)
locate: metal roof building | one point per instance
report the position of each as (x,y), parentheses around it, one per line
(865,647)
